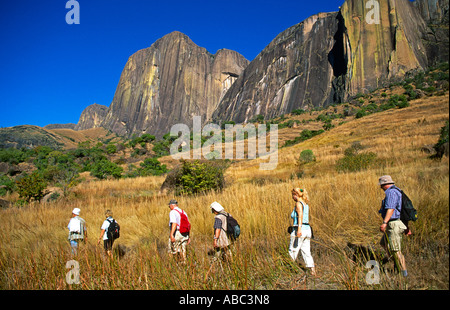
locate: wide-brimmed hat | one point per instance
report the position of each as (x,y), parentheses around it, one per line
(216,206)
(76,211)
(173,202)
(385,179)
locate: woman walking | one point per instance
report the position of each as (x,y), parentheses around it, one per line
(302,233)
(221,241)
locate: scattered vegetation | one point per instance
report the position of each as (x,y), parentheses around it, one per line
(343,207)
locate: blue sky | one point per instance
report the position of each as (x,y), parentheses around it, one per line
(51,71)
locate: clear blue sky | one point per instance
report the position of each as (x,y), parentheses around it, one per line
(51,71)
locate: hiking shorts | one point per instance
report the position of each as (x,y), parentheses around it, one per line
(393,236)
(107,244)
(179,246)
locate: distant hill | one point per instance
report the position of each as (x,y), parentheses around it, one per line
(29,136)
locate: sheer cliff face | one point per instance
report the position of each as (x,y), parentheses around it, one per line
(169,83)
(383,40)
(328,58)
(292,72)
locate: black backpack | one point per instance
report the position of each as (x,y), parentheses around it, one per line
(233,228)
(113,230)
(407,211)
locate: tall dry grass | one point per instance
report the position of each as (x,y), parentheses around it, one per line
(34,248)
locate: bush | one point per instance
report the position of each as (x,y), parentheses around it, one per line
(31,186)
(6,185)
(306,156)
(304,135)
(151,166)
(355,161)
(104,169)
(196,177)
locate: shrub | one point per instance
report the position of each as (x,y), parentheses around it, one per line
(355,161)
(304,135)
(31,186)
(306,156)
(104,169)
(399,101)
(6,185)
(358,162)
(196,177)
(151,166)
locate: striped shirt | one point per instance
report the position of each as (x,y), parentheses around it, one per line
(393,200)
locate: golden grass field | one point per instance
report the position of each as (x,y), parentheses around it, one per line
(343,208)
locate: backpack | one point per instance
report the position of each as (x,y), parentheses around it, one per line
(407,211)
(185,226)
(233,228)
(113,230)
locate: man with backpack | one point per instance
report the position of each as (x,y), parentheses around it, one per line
(179,229)
(109,232)
(392,227)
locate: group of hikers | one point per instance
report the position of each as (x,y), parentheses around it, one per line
(226,229)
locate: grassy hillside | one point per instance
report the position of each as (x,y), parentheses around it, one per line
(33,239)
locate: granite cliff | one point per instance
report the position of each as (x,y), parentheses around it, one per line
(169,83)
(332,56)
(325,59)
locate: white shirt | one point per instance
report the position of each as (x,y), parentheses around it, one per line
(74,225)
(105,226)
(175,217)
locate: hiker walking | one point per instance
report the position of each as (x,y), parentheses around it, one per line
(301,233)
(221,239)
(392,227)
(77,230)
(179,229)
(108,232)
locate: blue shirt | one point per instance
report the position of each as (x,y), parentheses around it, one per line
(305,219)
(393,200)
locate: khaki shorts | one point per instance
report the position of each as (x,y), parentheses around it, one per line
(179,246)
(393,235)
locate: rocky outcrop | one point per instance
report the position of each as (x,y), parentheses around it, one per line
(328,58)
(92,117)
(292,72)
(436,15)
(382,40)
(169,83)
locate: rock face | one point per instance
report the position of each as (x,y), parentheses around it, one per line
(169,83)
(328,58)
(382,40)
(92,117)
(436,15)
(292,72)
(323,60)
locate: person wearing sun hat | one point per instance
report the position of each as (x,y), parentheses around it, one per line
(221,242)
(392,227)
(77,230)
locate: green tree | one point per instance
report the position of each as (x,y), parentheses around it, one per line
(306,156)
(31,187)
(105,168)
